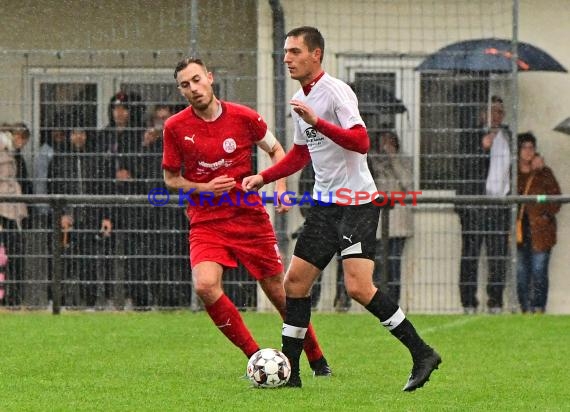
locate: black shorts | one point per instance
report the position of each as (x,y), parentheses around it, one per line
(328,229)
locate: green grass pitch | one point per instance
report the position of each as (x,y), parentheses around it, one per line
(178,361)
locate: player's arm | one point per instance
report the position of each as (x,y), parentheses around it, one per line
(174,180)
(273,148)
(297,158)
(276,152)
(354,139)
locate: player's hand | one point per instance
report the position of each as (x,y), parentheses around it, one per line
(219,185)
(284,203)
(254,182)
(306,113)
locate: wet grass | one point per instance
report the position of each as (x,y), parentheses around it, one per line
(180,362)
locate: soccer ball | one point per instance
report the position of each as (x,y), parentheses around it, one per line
(268,368)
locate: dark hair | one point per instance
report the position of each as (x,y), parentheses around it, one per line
(496,99)
(132,102)
(527,137)
(182,64)
(21,127)
(311,36)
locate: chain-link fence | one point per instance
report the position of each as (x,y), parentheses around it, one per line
(66,79)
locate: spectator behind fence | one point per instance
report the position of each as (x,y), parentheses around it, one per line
(70,173)
(537,222)
(51,141)
(484,165)
(392,173)
(167,227)
(122,174)
(13,216)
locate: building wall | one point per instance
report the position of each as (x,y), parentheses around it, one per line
(124,33)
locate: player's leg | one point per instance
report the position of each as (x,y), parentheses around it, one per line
(358,280)
(273,288)
(207,281)
(315,247)
(298,281)
(357,239)
(209,253)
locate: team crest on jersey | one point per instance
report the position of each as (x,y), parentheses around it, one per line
(229,145)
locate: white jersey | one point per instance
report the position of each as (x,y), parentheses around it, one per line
(335,167)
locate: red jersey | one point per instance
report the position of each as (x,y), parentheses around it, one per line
(204,150)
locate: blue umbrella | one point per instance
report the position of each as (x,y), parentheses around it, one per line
(489,55)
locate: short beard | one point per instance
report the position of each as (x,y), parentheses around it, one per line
(202,106)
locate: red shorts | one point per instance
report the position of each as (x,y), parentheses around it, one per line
(248,239)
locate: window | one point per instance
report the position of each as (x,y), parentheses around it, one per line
(450,124)
(434,114)
(387,88)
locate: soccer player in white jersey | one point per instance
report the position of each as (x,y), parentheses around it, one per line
(330,132)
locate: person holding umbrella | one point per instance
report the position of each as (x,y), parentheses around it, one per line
(491,176)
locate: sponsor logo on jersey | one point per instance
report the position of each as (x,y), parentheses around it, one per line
(313,138)
(214,165)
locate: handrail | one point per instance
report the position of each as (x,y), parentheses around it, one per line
(59,202)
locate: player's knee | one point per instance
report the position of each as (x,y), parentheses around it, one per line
(274,290)
(356,289)
(205,290)
(296,287)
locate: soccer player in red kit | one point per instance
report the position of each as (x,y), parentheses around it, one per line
(208,151)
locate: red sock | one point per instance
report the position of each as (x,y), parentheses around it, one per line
(228,320)
(311,345)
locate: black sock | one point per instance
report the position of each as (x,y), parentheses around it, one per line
(295,324)
(393,318)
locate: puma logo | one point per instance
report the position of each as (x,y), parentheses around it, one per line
(228,323)
(189,138)
(348,238)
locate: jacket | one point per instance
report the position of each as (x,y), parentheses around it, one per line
(541,216)
(9,185)
(393,173)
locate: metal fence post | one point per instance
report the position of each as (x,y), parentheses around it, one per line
(57,207)
(385,230)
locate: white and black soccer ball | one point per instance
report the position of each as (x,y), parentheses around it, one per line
(268,368)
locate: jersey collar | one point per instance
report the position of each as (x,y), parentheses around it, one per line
(307,89)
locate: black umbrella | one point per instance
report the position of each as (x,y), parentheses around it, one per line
(563,126)
(489,55)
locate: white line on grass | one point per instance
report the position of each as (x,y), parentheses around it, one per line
(456,323)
